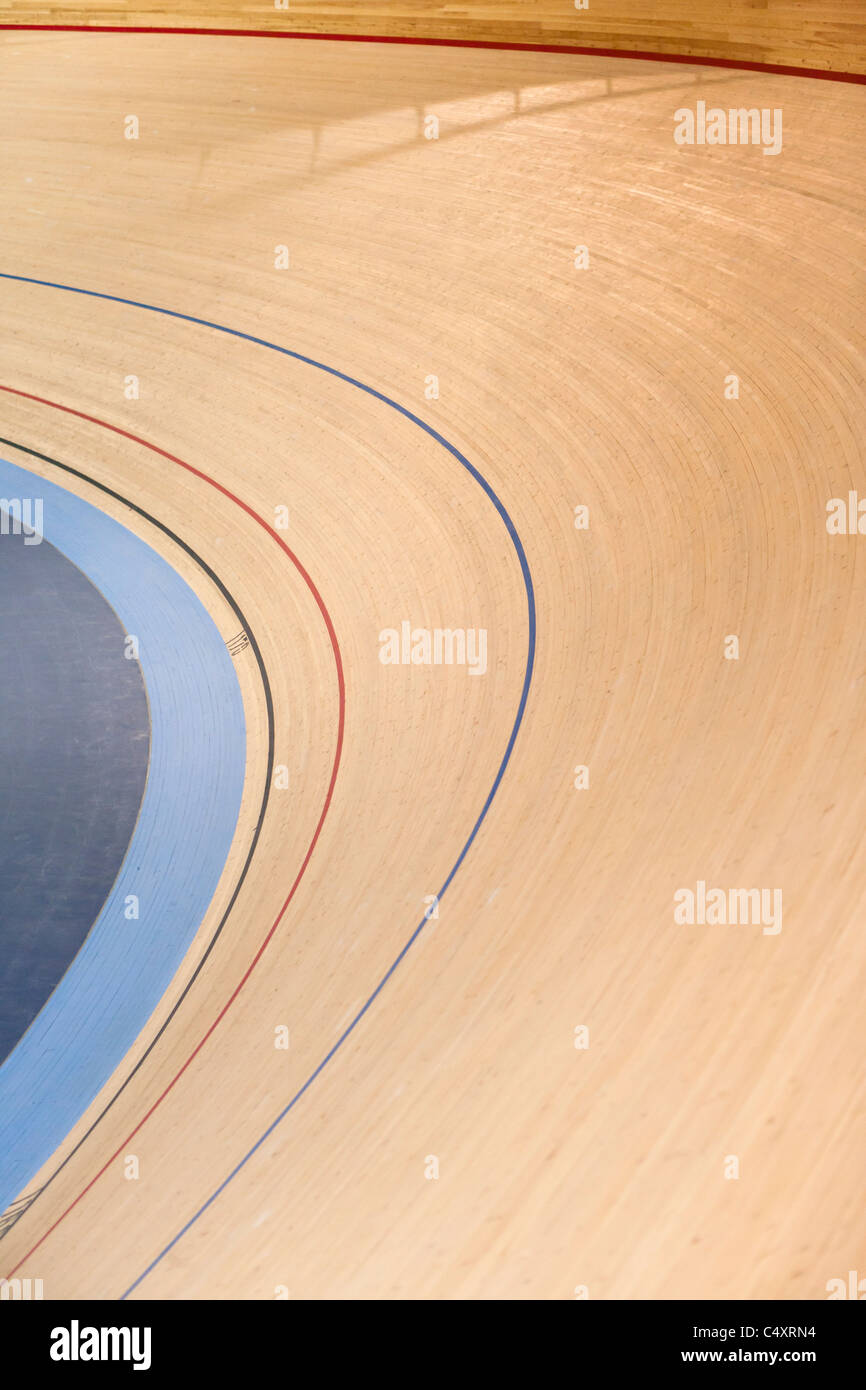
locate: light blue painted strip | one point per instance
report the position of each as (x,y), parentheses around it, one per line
(185,828)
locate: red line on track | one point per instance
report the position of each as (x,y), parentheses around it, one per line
(341,722)
(695,60)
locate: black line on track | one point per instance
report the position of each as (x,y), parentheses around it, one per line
(21,1205)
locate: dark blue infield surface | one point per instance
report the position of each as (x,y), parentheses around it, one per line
(73,764)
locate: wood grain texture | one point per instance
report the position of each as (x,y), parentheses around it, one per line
(828,34)
(454,257)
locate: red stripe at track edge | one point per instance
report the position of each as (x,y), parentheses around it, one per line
(103,424)
(694,60)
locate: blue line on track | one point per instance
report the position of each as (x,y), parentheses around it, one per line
(524,695)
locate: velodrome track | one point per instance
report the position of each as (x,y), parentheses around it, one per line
(304,388)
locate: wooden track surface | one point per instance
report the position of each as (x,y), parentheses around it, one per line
(819,34)
(559,1167)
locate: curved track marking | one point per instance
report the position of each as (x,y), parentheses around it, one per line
(506,758)
(499,45)
(307,857)
(107,999)
(23,1204)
